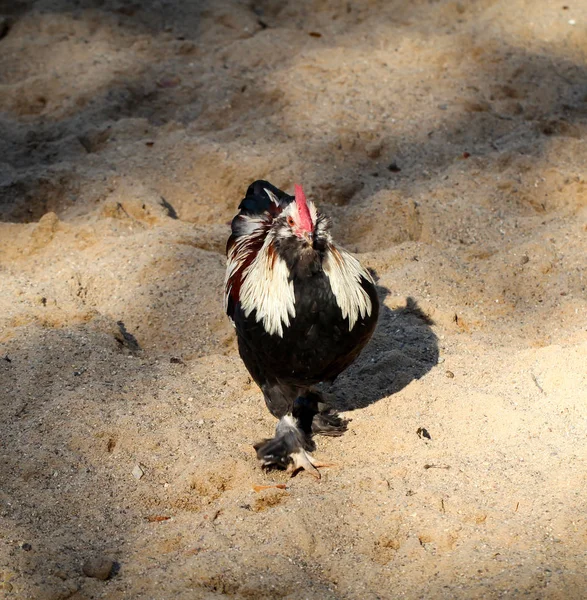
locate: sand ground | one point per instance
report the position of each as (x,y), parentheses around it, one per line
(447,141)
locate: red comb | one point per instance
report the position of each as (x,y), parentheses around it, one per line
(303,210)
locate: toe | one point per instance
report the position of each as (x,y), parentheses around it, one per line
(302,460)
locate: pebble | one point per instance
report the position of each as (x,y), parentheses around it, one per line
(98,567)
(373,149)
(450,374)
(138,472)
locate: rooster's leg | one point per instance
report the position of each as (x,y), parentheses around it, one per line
(316,416)
(288,449)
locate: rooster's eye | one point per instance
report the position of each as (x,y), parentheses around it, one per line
(290,221)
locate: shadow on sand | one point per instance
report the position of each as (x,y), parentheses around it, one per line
(403,348)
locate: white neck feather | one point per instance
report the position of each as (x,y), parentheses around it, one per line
(344,272)
(266,289)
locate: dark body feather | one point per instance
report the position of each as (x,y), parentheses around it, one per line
(318,344)
(316,347)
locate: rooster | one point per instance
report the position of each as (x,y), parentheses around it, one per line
(303,309)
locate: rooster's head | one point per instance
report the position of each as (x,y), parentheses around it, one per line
(297,219)
(288,225)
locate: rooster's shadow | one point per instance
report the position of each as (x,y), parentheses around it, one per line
(403,348)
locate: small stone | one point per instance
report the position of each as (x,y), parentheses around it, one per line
(169,81)
(373,149)
(98,567)
(138,472)
(26,547)
(186,48)
(423,433)
(94,140)
(450,374)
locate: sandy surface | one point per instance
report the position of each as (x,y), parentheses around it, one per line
(447,141)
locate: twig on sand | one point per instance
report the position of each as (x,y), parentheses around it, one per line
(279,486)
(535,380)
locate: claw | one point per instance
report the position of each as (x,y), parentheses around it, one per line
(320,465)
(302,460)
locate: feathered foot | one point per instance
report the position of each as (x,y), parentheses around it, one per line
(329,422)
(288,449)
(315,416)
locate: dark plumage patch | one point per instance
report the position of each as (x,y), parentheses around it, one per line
(257,201)
(317,345)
